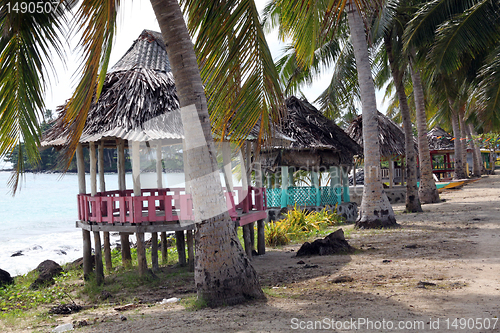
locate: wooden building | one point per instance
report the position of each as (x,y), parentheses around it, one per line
(138,110)
(316,145)
(392,146)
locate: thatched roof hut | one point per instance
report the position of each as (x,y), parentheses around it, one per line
(439,139)
(391,135)
(138,100)
(317,140)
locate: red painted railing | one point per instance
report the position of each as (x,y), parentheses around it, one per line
(156,205)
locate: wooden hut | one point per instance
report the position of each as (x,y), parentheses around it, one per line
(138,110)
(442,150)
(316,144)
(392,145)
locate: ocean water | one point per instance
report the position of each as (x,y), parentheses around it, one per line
(39,221)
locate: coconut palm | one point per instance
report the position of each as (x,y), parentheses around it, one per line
(460,39)
(308,25)
(223,273)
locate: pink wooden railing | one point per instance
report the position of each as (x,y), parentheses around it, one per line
(160,204)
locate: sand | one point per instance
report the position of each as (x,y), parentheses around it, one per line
(439,272)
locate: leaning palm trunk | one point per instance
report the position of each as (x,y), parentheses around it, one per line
(459,170)
(427,191)
(223,273)
(412,199)
(376,211)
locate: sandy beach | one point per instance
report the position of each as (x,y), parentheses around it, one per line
(439,272)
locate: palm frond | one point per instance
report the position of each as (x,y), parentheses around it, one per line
(470,32)
(97,19)
(27,44)
(236,66)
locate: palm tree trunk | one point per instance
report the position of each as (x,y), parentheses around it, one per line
(427,191)
(376,211)
(475,160)
(463,138)
(477,148)
(223,273)
(459,170)
(412,199)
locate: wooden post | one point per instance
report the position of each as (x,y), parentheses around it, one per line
(102,188)
(87,246)
(391,173)
(122,186)
(315,183)
(335,182)
(190,246)
(247,241)
(345,183)
(154,252)
(354,174)
(164,248)
(284,186)
(261,239)
(181,247)
(99,269)
(159,184)
(136,176)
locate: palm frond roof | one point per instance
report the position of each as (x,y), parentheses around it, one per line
(391,135)
(138,100)
(310,131)
(439,139)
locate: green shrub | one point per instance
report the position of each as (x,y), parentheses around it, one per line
(298,225)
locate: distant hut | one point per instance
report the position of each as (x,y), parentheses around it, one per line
(317,145)
(392,144)
(442,150)
(138,110)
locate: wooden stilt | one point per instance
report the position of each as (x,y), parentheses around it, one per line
(102,188)
(164,248)
(136,177)
(126,254)
(99,270)
(247,241)
(154,252)
(124,236)
(141,254)
(181,247)
(87,246)
(261,238)
(107,251)
(87,254)
(251,229)
(190,246)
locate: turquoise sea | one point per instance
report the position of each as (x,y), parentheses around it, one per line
(39,221)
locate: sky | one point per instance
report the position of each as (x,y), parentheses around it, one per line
(135,16)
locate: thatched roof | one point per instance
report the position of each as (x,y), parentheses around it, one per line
(313,134)
(391,135)
(439,139)
(138,100)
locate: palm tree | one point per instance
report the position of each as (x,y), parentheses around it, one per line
(392,36)
(223,273)
(460,39)
(308,26)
